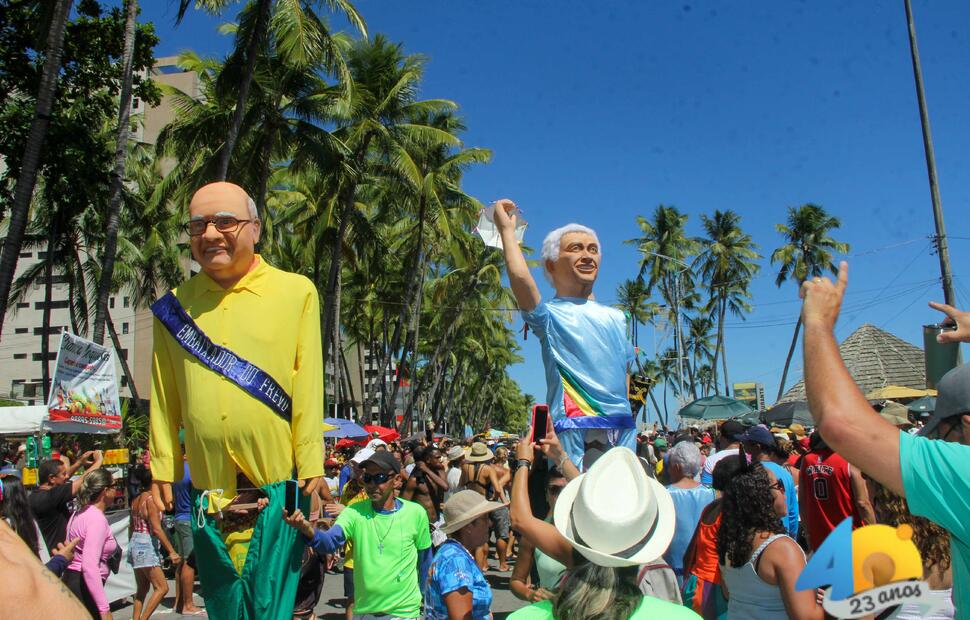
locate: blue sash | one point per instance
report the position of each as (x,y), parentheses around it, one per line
(251,378)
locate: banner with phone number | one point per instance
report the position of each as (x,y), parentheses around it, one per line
(84,389)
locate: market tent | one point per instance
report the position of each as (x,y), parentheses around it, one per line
(30,420)
(714,408)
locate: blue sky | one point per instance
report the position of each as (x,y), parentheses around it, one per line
(598,112)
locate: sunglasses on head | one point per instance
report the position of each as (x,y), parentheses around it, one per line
(380,478)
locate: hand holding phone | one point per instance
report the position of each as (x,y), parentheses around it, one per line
(290,497)
(540,422)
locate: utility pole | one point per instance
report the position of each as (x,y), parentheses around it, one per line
(942,248)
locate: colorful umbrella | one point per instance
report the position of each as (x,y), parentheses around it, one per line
(340,428)
(383,433)
(714,408)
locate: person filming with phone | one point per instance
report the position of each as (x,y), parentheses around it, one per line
(585,351)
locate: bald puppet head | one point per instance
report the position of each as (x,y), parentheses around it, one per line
(226,255)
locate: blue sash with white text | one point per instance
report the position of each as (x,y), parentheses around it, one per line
(251,378)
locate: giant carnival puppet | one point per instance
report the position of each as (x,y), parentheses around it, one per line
(585,350)
(237,363)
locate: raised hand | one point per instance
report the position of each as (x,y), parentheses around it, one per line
(823,298)
(956,317)
(504,217)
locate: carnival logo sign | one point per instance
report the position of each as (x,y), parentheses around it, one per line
(868,571)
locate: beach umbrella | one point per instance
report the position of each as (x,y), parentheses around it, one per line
(786,414)
(750,418)
(895,392)
(340,428)
(714,408)
(383,433)
(927,404)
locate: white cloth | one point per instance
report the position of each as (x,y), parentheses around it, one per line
(945,611)
(454,478)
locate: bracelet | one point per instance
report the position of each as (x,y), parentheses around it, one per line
(562,459)
(524,463)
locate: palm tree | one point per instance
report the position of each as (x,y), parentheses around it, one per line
(666,250)
(807,253)
(118,175)
(726,265)
(632,297)
(27,177)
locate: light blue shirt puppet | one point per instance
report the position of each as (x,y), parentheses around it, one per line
(585,351)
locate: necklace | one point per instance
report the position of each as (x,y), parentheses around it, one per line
(380,537)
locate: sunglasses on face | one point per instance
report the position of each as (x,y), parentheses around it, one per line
(778,486)
(380,478)
(223,224)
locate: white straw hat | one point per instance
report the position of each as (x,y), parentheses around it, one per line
(614,514)
(464,507)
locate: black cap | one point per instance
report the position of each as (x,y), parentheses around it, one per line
(732,429)
(385,460)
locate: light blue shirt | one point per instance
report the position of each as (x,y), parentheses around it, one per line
(936,479)
(791,497)
(452,569)
(688,506)
(586,356)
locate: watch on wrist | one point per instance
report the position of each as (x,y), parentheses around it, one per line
(524,463)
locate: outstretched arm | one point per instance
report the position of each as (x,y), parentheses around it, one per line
(523,286)
(846,420)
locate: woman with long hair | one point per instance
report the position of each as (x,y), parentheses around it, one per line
(146,533)
(607,522)
(759,563)
(86,574)
(15,509)
(548,570)
(933,543)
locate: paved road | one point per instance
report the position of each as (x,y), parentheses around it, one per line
(503,602)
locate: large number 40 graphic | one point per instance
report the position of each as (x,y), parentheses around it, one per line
(831,565)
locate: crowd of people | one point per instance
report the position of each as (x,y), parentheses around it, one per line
(593,519)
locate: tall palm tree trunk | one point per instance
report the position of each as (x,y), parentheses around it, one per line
(791,352)
(30,164)
(125,369)
(718,347)
(46,317)
(117,176)
(252,52)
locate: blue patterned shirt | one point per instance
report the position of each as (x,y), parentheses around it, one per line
(454,568)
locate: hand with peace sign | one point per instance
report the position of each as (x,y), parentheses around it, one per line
(823,299)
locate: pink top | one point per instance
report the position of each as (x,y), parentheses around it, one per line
(92,551)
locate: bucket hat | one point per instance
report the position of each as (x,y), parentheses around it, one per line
(464,507)
(614,514)
(479,453)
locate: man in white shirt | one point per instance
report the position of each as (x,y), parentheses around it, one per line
(728,443)
(456,456)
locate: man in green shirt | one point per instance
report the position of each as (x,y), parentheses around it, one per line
(932,474)
(391,538)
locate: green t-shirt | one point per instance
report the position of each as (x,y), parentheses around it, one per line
(386,557)
(650,609)
(936,478)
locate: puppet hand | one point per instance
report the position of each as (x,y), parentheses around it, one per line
(162,494)
(309,485)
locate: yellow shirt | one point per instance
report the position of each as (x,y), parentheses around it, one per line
(271,318)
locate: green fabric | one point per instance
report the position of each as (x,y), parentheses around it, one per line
(386,580)
(550,570)
(936,479)
(650,609)
(266,590)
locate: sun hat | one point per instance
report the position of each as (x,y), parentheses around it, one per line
(953,397)
(759,434)
(479,453)
(614,514)
(464,507)
(798,429)
(362,455)
(385,460)
(455,452)
(895,413)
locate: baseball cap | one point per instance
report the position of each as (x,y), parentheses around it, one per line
(385,460)
(374,444)
(362,455)
(732,429)
(660,442)
(331,463)
(953,397)
(759,434)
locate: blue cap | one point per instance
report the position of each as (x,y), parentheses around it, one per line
(10,471)
(759,434)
